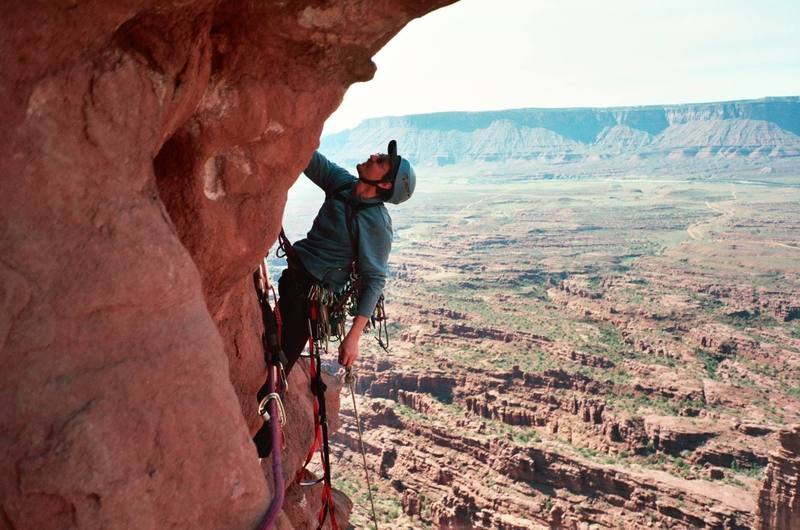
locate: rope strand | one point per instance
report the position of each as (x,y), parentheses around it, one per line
(350,379)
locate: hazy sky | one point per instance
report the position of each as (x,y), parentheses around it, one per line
(499,54)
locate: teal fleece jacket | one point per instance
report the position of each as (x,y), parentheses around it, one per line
(326,252)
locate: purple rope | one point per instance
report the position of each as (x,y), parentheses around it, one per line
(277,462)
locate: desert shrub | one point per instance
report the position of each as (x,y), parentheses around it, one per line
(710,362)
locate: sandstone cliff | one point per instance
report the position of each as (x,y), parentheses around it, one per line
(779,500)
(146,152)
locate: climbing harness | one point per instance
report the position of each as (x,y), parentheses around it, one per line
(271,406)
(350,381)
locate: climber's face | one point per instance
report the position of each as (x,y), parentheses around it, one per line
(370,176)
(374,168)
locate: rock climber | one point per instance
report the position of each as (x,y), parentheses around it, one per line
(352,233)
(340,264)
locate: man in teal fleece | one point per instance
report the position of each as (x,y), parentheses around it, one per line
(326,254)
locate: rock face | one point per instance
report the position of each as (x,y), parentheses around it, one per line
(146,153)
(779,500)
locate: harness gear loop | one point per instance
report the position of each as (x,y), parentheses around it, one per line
(350,381)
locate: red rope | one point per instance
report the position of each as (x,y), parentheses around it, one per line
(327,504)
(312,369)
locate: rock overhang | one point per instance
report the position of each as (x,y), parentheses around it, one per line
(147,154)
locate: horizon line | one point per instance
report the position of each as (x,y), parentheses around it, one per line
(620,107)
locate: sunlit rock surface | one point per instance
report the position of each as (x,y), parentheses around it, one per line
(146,152)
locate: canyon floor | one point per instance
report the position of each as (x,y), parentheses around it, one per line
(612,352)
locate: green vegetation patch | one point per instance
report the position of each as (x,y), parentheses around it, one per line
(710,361)
(520,435)
(753,471)
(411,414)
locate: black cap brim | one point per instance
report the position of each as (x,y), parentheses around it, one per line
(394,160)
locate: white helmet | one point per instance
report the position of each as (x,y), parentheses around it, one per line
(401,175)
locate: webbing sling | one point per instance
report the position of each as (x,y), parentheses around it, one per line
(318,388)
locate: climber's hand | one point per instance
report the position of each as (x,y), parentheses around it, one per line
(348,350)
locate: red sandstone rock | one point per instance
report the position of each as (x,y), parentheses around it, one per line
(146,152)
(411,503)
(779,500)
(454,511)
(671,434)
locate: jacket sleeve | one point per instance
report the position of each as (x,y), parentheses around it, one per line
(374,245)
(325,173)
